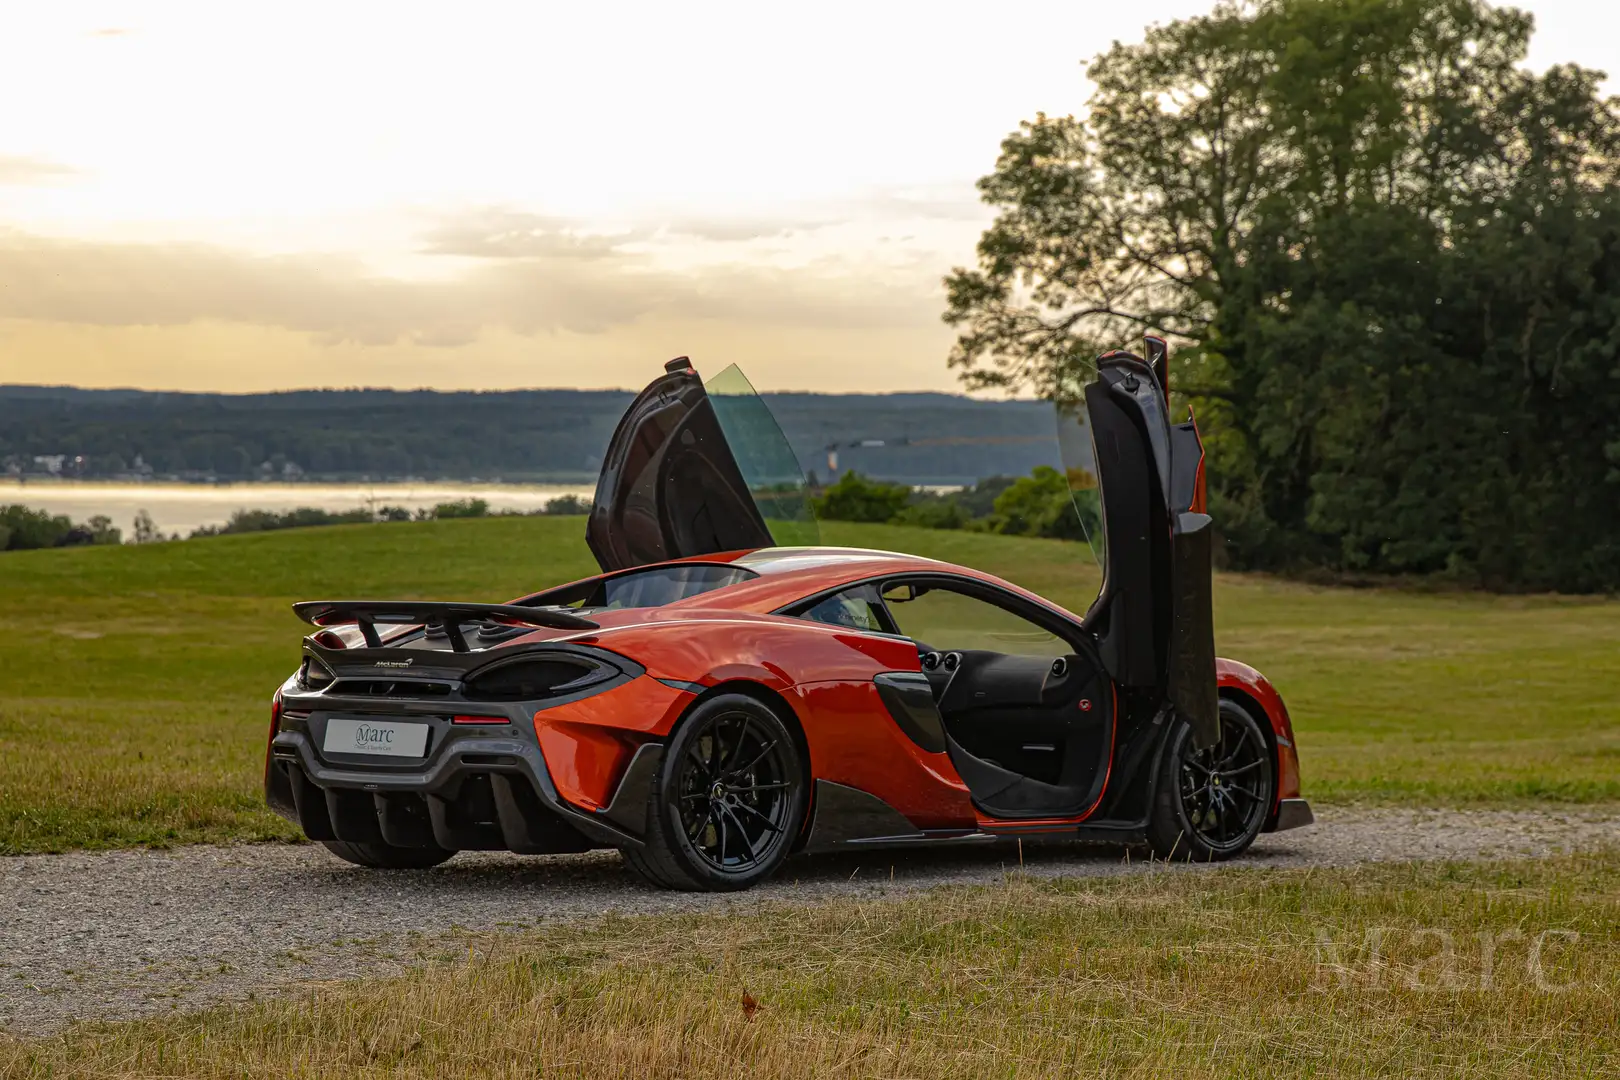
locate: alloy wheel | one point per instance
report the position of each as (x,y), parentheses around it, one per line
(735,793)
(1225,788)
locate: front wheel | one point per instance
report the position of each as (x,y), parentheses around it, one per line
(727,802)
(1211,803)
(387,856)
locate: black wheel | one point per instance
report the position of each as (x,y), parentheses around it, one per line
(387,856)
(727,801)
(1212,802)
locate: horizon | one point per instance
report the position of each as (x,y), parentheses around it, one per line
(785,392)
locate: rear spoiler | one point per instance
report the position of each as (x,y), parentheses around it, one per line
(451,616)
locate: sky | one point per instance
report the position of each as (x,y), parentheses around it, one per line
(257,196)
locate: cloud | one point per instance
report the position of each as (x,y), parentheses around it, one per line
(337,300)
(503,233)
(510,234)
(32,172)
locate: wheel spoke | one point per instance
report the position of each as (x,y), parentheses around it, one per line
(760,787)
(725,834)
(756,760)
(736,749)
(703,823)
(1243,737)
(727,811)
(767,822)
(1243,769)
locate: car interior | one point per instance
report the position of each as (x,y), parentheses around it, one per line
(1027,714)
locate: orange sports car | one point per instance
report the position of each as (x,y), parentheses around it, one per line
(715,700)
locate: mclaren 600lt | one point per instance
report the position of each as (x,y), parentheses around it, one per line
(724,694)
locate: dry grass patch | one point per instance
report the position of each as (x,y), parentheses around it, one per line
(1403,970)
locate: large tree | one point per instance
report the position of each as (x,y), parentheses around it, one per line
(1388,255)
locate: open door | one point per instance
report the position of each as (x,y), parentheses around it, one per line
(692,470)
(1143,487)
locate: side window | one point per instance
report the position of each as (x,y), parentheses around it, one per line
(943,619)
(857,608)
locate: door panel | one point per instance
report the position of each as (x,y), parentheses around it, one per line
(1152,618)
(696,470)
(1017,713)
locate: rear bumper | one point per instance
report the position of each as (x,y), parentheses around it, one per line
(1292,814)
(486,793)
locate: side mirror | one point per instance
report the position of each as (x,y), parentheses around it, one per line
(903,593)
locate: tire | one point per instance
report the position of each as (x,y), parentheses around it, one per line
(1209,805)
(386,856)
(728,800)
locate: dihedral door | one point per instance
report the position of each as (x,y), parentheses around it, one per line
(1152,615)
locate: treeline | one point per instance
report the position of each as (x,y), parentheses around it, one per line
(1040,504)
(1388,255)
(527,435)
(22,528)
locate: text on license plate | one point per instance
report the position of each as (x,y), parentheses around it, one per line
(389,738)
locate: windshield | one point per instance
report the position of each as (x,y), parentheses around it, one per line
(765,458)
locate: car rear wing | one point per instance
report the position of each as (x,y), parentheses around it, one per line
(451,616)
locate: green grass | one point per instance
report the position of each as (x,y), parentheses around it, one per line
(1416,970)
(134,690)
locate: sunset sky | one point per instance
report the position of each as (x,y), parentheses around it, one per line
(245,197)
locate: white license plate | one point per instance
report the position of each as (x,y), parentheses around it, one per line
(384,738)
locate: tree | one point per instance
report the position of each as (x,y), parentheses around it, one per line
(855,498)
(144,530)
(1386,255)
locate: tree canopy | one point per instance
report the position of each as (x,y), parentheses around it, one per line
(1388,255)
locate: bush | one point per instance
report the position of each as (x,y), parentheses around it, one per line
(246,521)
(461,508)
(855,498)
(568,504)
(936,513)
(22,528)
(1039,505)
(31,529)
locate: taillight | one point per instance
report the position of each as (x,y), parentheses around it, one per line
(275,726)
(479,720)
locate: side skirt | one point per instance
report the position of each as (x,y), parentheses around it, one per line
(848,818)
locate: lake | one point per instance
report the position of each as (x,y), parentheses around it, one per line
(183,507)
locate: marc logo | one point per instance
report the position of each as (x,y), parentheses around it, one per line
(367,737)
(395,663)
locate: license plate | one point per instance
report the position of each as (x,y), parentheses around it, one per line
(384,738)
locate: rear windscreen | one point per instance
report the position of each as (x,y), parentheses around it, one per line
(664,585)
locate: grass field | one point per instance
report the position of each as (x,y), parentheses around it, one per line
(135,682)
(1510,969)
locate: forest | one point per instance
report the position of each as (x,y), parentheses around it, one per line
(1387,255)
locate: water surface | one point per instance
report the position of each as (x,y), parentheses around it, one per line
(183,507)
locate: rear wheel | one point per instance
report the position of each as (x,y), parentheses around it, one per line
(727,802)
(387,856)
(1212,802)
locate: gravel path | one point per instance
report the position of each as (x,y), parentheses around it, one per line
(133,933)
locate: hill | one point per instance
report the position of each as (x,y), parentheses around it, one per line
(531,435)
